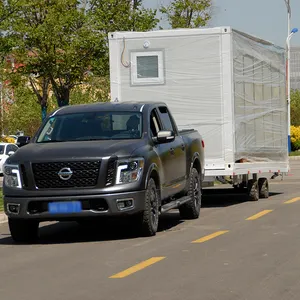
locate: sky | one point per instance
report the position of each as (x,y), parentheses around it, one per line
(266,19)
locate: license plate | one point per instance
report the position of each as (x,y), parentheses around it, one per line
(64,207)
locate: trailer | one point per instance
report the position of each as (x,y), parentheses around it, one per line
(228,85)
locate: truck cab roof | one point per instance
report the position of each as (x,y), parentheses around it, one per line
(106,106)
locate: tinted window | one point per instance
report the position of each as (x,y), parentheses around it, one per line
(14,148)
(92,126)
(8,149)
(1,149)
(165,118)
(154,123)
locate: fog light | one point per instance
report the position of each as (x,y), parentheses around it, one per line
(13,208)
(123,204)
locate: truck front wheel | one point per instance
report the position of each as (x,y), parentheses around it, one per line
(191,209)
(23,231)
(150,215)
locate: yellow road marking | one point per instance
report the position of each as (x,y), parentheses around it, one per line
(260,214)
(210,236)
(142,265)
(292,200)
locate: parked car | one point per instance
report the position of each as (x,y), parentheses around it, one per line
(6,150)
(104,159)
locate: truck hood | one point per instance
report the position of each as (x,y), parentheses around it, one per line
(69,150)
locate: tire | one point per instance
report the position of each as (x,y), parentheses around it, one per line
(253,194)
(150,215)
(263,188)
(23,231)
(191,209)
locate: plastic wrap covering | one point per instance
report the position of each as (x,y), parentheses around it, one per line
(229,87)
(192,83)
(259,101)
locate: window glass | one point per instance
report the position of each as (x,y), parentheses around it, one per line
(147,66)
(165,118)
(92,126)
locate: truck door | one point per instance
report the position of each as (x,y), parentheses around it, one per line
(176,172)
(163,151)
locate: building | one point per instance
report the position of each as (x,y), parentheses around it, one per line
(295,68)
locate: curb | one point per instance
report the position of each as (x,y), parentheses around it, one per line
(3,218)
(294,157)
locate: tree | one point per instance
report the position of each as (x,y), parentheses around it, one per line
(116,15)
(57,43)
(295,107)
(188,13)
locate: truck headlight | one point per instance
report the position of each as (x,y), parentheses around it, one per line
(12,176)
(129,170)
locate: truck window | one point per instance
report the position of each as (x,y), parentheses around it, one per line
(165,118)
(89,126)
(154,123)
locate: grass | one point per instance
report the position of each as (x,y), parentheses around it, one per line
(295,153)
(1,200)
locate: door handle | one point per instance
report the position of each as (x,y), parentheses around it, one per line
(172,151)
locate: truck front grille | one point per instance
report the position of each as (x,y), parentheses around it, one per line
(111,171)
(84,174)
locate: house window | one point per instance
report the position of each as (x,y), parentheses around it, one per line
(147,68)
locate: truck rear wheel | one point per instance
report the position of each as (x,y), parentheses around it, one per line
(150,215)
(191,209)
(23,231)
(253,193)
(263,188)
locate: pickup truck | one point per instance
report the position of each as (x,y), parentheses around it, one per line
(104,159)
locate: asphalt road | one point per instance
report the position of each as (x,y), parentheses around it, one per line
(236,250)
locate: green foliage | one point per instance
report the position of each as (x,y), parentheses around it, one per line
(94,90)
(295,137)
(60,41)
(24,114)
(295,107)
(188,13)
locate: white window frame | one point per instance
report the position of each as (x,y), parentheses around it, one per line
(147,81)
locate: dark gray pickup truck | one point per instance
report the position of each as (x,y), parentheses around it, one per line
(104,159)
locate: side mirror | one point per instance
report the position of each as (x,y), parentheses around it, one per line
(165,136)
(23,140)
(10,153)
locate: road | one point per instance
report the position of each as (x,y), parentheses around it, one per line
(236,250)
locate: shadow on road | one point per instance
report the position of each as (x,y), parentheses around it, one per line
(121,229)
(97,231)
(224,197)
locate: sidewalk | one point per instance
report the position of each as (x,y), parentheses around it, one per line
(3,218)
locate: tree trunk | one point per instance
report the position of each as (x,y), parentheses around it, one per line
(44,112)
(63,96)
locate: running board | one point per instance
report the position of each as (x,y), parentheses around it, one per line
(175,204)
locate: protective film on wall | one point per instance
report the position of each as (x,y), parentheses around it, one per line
(260,106)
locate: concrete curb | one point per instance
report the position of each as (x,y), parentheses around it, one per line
(3,218)
(294,157)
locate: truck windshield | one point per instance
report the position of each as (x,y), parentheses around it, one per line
(90,126)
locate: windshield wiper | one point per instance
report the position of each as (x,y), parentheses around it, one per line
(52,141)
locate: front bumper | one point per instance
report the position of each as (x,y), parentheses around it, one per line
(92,206)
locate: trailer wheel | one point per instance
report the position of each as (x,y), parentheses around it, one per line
(191,209)
(253,193)
(263,187)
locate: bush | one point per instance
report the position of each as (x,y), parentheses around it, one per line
(295,137)
(295,107)
(7,139)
